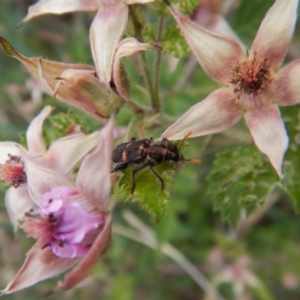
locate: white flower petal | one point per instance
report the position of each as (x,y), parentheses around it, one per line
(35,141)
(215,113)
(217,55)
(269,134)
(286,82)
(17,203)
(41,178)
(105,32)
(275,32)
(59,7)
(93,178)
(66,152)
(8,148)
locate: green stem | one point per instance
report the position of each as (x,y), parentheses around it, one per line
(138,33)
(135,108)
(156,100)
(131,130)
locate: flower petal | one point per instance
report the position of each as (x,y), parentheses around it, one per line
(59,7)
(66,152)
(217,55)
(275,32)
(216,113)
(83,268)
(208,14)
(93,178)
(17,203)
(9,148)
(84,91)
(138,1)
(126,47)
(35,141)
(105,32)
(41,178)
(49,73)
(286,82)
(39,265)
(268,132)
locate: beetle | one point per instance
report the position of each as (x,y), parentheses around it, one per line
(146,153)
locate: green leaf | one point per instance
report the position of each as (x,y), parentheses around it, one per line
(148,190)
(63,124)
(173,43)
(291,167)
(240,179)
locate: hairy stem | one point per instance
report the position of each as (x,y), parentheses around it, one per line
(156,100)
(138,33)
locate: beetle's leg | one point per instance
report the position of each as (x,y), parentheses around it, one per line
(158,177)
(120,166)
(135,170)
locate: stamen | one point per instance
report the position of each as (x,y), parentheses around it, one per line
(251,79)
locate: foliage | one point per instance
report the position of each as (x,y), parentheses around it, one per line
(240,181)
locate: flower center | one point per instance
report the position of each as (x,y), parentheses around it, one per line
(12,172)
(251,80)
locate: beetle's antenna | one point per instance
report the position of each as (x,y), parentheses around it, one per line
(184,138)
(193,160)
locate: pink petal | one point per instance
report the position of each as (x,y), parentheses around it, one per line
(138,1)
(83,268)
(217,55)
(35,141)
(59,7)
(215,113)
(105,32)
(275,32)
(9,148)
(268,132)
(66,152)
(49,71)
(17,203)
(209,15)
(39,265)
(93,178)
(286,82)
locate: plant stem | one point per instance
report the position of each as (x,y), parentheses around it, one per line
(156,100)
(145,235)
(245,225)
(138,33)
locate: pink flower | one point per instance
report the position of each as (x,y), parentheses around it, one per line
(105,33)
(62,155)
(71,221)
(81,85)
(253,84)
